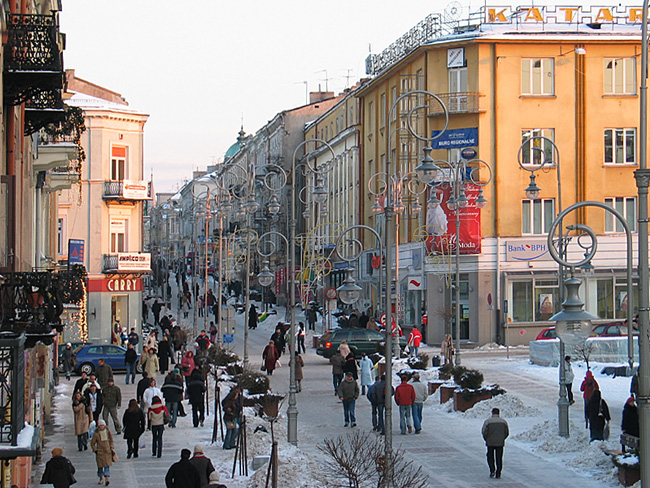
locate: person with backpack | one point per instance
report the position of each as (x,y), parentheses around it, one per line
(588,386)
(59,471)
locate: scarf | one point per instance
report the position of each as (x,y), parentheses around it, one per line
(158,407)
(103,434)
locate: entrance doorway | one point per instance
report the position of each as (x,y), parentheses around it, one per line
(119,316)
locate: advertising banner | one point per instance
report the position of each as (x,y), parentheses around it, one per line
(135,189)
(455,138)
(75,251)
(133,261)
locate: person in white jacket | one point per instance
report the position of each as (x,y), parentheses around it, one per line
(149,393)
(365,373)
(568,379)
(421,394)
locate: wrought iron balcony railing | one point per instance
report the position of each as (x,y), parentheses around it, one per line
(457,103)
(109,263)
(127,190)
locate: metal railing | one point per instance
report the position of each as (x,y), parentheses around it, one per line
(457,103)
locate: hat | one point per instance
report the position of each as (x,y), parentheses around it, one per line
(57,451)
(198,449)
(176,370)
(101,422)
(349,373)
(214,476)
(68,345)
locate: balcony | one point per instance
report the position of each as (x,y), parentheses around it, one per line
(127,262)
(127,190)
(456,103)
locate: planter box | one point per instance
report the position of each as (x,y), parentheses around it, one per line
(444,376)
(316,339)
(628,476)
(434,385)
(446,393)
(462,405)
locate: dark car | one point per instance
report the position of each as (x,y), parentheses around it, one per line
(614,329)
(359,340)
(88,357)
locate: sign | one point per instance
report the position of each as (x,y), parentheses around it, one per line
(468,153)
(455,138)
(135,189)
(415,284)
(133,261)
(330,293)
(550,14)
(118,226)
(522,332)
(527,250)
(75,251)
(115,284)
(546,303)
(228,338)
(456,57)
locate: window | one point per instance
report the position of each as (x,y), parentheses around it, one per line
(537,151)
(620,76)
(118,236)
(620,146)
(118,163)
(393,99)
(534,299)
(383,110)
(611,297)
(59,237)
(626,206)
(537,216)
(371,114)
(537,76)
(458,84)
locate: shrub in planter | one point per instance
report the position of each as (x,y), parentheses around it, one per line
(419,362)
(256,383)
(469,379)
(444,372)
(221,357)
(492,390)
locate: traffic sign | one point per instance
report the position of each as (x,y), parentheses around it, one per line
(330,293)
(228,338)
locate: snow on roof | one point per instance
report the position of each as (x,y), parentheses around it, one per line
(89,102)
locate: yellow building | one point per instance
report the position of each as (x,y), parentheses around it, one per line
(569,75)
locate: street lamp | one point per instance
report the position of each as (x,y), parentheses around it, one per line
(349,292)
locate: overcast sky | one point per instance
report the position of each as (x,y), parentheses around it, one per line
(199,68)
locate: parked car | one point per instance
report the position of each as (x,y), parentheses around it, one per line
(88,357)
(548,333)
(359,340)
(613,329)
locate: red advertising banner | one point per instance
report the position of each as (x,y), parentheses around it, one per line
(115,285)
(441,223)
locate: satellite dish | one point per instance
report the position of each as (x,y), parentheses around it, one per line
(453,11)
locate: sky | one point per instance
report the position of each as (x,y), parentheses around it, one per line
(203,70)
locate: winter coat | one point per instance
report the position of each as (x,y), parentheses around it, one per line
(278,340)
(377,393)
(588,386)
(134,338)
(112,396)
(203,465)
(404,394)
(196,389)
(103,449)
(597,412)
(337,362)
(99,401)
(158,414)
(365,366)
(81,416)
(299,364)
(253,317)
(134,423)
(143,384)
(79,385)
(103,373)
(270,356)
(68,362)
(344,349)
(164,353)
(568,373)
(130,356)
(187,363)
(495,431)
(421,391)
(348,390)
(58,472)
(151,365)
(630,423)
(183,474)
(204,342)
(172,390)
(415,338)
(148,395)
(232,407)
(350,366)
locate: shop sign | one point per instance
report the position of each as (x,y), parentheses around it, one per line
(135,189)
(133,261)
(75,251)
(551,14)
(525,250)
(115,285)
(455,138)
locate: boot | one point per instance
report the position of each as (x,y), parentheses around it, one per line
(101,480)
(108,480)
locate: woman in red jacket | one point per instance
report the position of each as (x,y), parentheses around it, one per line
(588,386)
(270,356)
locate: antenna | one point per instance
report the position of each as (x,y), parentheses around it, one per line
(306,90)
(326,79)
(347,76)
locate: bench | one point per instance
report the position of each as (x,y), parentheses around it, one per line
(629,441)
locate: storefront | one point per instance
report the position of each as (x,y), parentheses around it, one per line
(113,302)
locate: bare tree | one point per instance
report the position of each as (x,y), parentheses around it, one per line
(446,314)
(584,351)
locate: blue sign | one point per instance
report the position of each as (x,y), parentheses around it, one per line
(229,338)
(75,251)
(455,138)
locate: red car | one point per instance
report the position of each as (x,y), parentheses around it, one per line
(614,329)
(547,334)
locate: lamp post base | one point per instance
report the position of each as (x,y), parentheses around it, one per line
(292,426)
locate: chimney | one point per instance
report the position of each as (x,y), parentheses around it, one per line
(319,96)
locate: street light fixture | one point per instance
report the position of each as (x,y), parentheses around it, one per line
(349,292)
(265,277)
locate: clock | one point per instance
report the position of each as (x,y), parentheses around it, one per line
(456,57)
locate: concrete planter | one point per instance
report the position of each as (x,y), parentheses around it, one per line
(462,405)
(446,393)
(628,476)
(434,385)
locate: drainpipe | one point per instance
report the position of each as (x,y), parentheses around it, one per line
(38,211)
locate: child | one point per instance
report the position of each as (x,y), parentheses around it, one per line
(91,429)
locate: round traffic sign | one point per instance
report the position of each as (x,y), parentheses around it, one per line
(468,153)
(330,293)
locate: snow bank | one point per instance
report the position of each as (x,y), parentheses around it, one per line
(509,406)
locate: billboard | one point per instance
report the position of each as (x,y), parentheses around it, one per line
(133,261)
(75,251)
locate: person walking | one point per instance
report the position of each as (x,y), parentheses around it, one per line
(157,416)
(68,360)
(232,409)
(82,415)
(150,363)
(598,415)
(183,474)
(187,366)
(164,353)
(202,464)
(300,336)
(253,317)
(350,366)
(421,394)
(196,394)
(337,362)
(130,360)
(150,393)
(348,393)
(447,349)
(203,340)
(311,318)
(103,372)
(630,420)
(213,332)
(373,398)
(270,356)
(365,369)
(278,339)
(404,397)
(134,338)
(156,308)
(59,471)
(143,384)
(80,383)
(588,386)
(172,390)
(495,432)
(95,401)
(568,379)
(414,340)
(344,349)
(299,365)
(102,445)
(134,427)
(112,401)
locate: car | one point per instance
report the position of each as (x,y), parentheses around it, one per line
(360,341)
(613,329)
(548,333)
(88,357)
(74,346)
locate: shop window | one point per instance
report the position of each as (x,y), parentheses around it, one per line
(626,206)
(537,76)
(611,297)
(620,76)
(537,216)
(534,300)
(620,146)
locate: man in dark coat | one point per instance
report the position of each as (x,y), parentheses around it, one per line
(172,390)
(183,474)
(95,400)
(58,470)
(134,338)
(630,421)
(278,340)
(495,432)
(196,394)
(155,308)
(130,360)
(143,384)
(81,382)
(103,373)
(165,323)
(164,353)
(203,340)
(68,360)
(202,464)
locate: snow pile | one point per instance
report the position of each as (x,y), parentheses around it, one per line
(509,406)
(546,438)
(489,346)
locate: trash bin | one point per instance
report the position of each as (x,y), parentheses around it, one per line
(316,340)
(435,361)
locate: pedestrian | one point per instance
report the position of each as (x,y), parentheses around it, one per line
(155,308)
(145,311)
(311,317)
(300,336)
(204,343)
(150,363)
(130,360)
(598,415)
(196,395)
(95,401)
(92,380)
(270,356)
(164,353)
(337,362)
(143,384)
(214,481)
(414,340)
(363,320)
(152,340)
(112,401)
(202,464)
(172,390)
(187,366)
(59,471)
(199,304)
(102,445)
(134,427)
(82,415)
(80,383)
(344,349)
(134,338)
(588,386)
(183,474)
(149,394)
(299,365)
(630,421)
(421,394)
(103,372)
(68,360)
(404,397)
(374,399)
(568,379)
(232,410)
(253,317)
(213,332)
(350,366)
(157,417)
(348,393)
(278,340)
(366,375)
(447,349)
(495,432)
